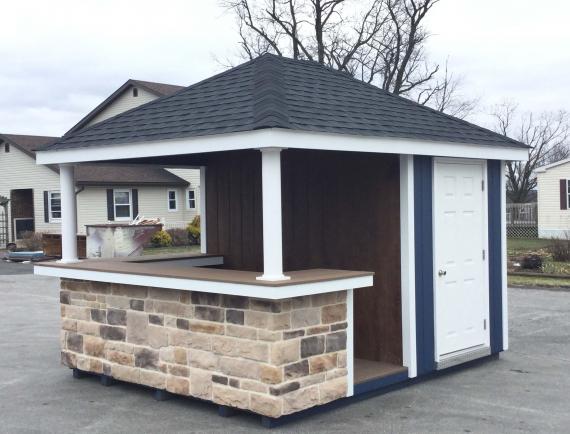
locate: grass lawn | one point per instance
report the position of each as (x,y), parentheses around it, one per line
(171,250)
(540,282)
(517,246)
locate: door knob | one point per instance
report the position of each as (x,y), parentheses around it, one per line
(441,273)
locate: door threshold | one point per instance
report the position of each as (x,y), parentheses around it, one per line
(462,356)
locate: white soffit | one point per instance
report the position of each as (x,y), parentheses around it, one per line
(282,139)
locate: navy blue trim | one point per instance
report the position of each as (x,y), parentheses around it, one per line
(423,224)
(495,256)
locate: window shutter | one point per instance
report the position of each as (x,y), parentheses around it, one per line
(110,210)
(46,207)
(135,193)
(563,194)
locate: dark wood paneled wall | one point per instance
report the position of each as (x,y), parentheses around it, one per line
(340,210)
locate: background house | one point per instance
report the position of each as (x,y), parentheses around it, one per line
(553,201)
(104,193)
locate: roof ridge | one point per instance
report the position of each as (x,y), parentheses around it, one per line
(269,109)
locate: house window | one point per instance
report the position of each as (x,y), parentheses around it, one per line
(172,200)
(135,92)
(191,199)
(123,205)
(54,203)
(6,147)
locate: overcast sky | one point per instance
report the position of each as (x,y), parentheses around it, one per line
(60,58)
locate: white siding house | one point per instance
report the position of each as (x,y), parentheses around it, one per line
(173,195)
(553,200)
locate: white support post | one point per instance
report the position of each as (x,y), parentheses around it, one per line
(68,214)
(350,341)
(408,264)
(505,297)
(272,223)
(203,244)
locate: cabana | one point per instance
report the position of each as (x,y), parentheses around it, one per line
(352,241)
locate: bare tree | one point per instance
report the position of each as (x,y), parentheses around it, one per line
(378,41)
(548,135)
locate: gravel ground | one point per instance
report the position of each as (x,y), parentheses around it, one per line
(525,390)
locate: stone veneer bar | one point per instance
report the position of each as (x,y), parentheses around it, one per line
(271,357)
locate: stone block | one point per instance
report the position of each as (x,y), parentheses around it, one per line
(136,304)
(231,397)
(179,370)
(254,386)
(239,368)
(164,294)
(220,379)
(167,307)
(322,363)
(146,358)
(120,358)
(74,342)
(300,399)
(318,300)
(229,346)
(64,297)
(76,312)
(137,327)
(125,373)
(205,298)
(235,316)
(265,305)
(312,346)
(201,384)
(301,302)
(169,321)
(153,379)
(94,346)
(203,360)
(316,330)
(280,321)
(178,385)
(269,336)
(305,317)
(206,327)
(88,328)
(131,291)
(119,346)
(310,380)
(200,341)
(265,405)
(112,333)
(182,323)
(334,389)
(270,374)
(333,313)
(156,319)
(293,334)
(296,370)
(117,317)
(69,324)
(283,352)
(99,287)
(99,315)
(68,359)
(241,332)
(336,341)
(259,320)
(157,337)
(235,302)
(341,359)
(335,373)
(285,388)
(208,313)
(234,382)
(118,302)
(339,326)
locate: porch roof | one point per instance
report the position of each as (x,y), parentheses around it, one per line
(273,92)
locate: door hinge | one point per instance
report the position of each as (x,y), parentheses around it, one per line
(483,254)
(483,185)
(484,324)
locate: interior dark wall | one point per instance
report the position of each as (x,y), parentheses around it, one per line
(340,210)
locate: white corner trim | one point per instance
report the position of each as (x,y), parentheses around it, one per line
(408,264)
(245,290)
(276,137)
(202,192)
(350,341)
(504,292)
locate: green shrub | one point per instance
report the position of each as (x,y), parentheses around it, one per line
(179,236)
(193,229)
(161,239)
(560,249)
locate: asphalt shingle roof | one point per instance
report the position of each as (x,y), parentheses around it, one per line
(98,174)
(277,92)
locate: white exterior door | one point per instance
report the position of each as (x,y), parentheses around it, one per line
(460,251)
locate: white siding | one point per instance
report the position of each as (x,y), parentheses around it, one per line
(193,177)
(552,221)
(19,171)
(122,103)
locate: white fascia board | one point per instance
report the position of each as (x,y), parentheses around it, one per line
(245,290)
(543,169)
(276,137)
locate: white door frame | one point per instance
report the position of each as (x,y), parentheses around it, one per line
(485,215)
